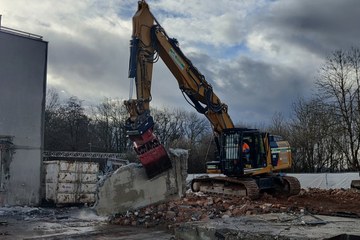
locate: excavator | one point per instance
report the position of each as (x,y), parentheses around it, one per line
(237,173)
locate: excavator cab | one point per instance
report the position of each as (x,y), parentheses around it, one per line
(234,159)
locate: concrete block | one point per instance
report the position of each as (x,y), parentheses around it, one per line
(129,188)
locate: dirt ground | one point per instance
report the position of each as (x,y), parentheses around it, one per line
(159,221)
(198,206)
(337,202)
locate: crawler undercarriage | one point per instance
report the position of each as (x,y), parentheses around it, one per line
(250,187)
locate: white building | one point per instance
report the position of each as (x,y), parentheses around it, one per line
(23,61)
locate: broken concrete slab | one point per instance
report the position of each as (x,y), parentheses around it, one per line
(129,188)
(270,226)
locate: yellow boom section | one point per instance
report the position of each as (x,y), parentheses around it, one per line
(149,41)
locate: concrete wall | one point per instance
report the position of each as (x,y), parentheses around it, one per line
(23,61)
(128,188)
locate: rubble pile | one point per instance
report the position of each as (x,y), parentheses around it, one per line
(192,207)
(202,207)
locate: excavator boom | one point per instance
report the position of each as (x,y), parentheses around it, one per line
(150,41)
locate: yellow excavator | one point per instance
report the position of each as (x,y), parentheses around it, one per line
(242,173)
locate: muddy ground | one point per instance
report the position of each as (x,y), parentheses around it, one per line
(77,222)
(159,221)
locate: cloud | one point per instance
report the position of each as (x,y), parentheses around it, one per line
(309,27)
(259,55)
(319,26)
(88,45)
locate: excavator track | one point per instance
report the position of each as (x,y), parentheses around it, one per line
(292,185)
(226,186)
(286,185)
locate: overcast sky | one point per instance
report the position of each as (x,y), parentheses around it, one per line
(259,55)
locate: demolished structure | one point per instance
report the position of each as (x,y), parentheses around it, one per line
(129,188)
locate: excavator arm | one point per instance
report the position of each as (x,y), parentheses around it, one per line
(149,42)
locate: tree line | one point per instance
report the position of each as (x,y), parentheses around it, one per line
(101,128)
(323,131)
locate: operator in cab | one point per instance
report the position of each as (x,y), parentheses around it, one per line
(246,152)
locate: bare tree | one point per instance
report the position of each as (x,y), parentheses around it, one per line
(102,139)
(52,121)
(195,127)
(313,136)
(109,131)
(189,130)
(168,125)
(279,125)
(339,87)
(52,102)
(204,151)
(119,116)
(75,125)
(66,125)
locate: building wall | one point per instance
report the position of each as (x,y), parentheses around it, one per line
(23,61)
